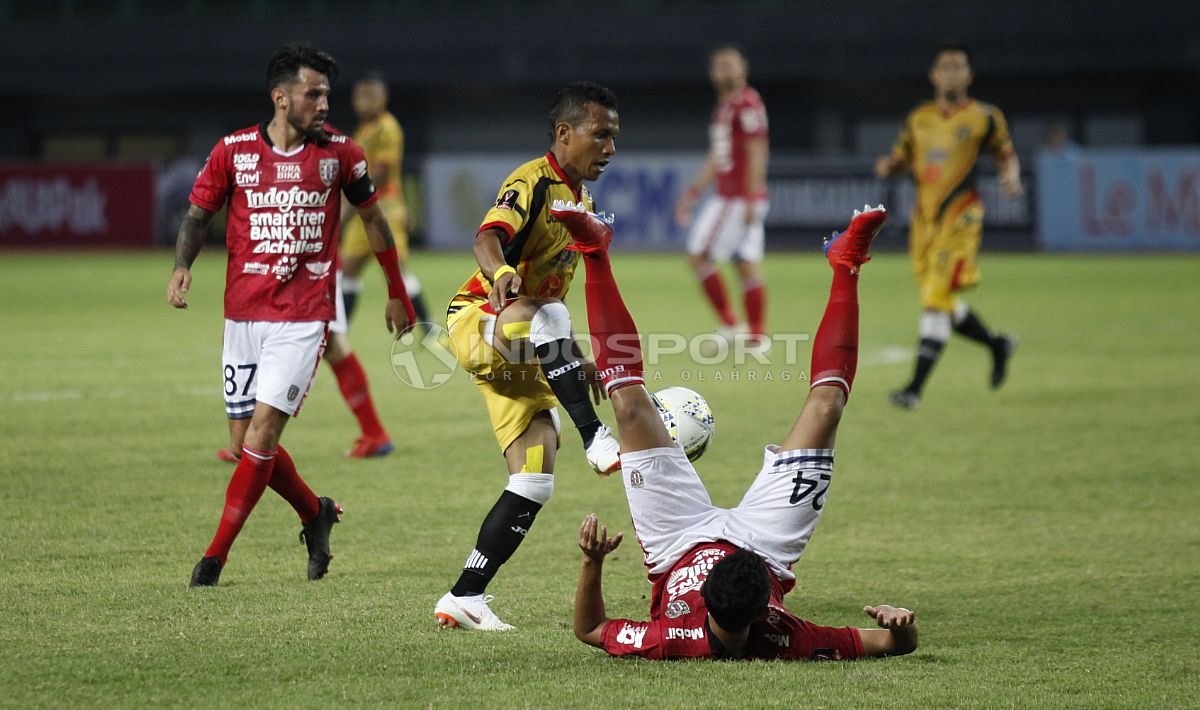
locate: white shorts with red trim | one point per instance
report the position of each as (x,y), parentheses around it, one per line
(672,512)
(720,230)
(269,362)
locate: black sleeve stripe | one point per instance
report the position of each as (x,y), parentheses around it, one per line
(360,190)
(512,250)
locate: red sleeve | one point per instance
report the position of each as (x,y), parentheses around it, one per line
(623,637)
(211,189)
(826,643)
(752,118)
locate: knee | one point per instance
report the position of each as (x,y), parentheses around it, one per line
(537,487)
(827,404)
(551,321)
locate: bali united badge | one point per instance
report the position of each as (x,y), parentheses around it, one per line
(328,168)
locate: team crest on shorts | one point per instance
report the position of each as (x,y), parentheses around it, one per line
(293,393)
(328,168)
(677,609)
(635,478)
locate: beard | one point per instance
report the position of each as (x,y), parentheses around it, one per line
(311,131)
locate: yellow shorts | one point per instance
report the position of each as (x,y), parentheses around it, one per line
(354,236)
(943,255)
(513,392)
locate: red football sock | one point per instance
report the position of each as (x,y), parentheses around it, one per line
(755,298)
(714,288)
(615,343)
(287,483)
(245,488)
(835,348)
(352,381)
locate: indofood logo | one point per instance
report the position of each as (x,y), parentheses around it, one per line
(285,200)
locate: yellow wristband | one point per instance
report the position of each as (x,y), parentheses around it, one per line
(506,269)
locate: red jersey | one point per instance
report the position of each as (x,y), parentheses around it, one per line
(283,222)
(734,120)
(678,626)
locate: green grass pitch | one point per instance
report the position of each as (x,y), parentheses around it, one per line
(1048,534)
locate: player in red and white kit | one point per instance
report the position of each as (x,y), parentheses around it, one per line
(282,182)
(730,223)
(720,574)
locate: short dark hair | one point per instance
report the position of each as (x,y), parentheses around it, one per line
(953,45)
(570,101)
(727,47)
(286,62)
(737,590)
(372,77)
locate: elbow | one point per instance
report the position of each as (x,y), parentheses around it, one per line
(906,645)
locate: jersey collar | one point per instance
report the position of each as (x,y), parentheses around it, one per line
(563,176)
(262,131)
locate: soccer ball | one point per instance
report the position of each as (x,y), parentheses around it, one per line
(688,419)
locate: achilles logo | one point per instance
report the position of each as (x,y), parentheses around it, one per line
(285,200)
(287,172)
(251,136)
(631,635)
(692,634)
(256,268)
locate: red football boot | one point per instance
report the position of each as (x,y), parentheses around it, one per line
(591,232)
(369,448)
(851,247)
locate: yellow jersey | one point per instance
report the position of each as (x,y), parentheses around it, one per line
(382,140)
(942,148)
(534,243)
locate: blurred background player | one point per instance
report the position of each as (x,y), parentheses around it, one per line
(940,143)
(730,223)
(382,140)
(720,574)
(510,329)
(282,181)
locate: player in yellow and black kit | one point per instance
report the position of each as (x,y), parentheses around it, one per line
(509,329)
(382,140)
(940,143)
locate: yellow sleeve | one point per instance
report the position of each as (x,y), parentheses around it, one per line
(389,145)
(999,141)
(511,210)
(903,148)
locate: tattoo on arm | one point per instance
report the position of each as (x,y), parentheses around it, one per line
(192,231)
(375,221)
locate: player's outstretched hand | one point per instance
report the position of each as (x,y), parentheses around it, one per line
(596,548)
(890,617)
(595,382)
(398,319)
(1010,183)
(177,287)
(507,286)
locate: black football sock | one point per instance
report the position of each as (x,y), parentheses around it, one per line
(418,302)
(928,353)
(350,299)
(970,326)
(501,534)
(566,378)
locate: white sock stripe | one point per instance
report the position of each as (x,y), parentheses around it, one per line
(475,560)
(608,386)
(827,380)
(257,454)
